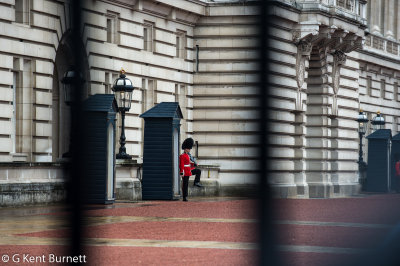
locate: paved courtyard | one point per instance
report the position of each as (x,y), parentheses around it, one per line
(343,231)
(210,231)
(203,231)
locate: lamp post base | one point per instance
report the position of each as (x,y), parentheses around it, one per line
(362,170)
(124,156)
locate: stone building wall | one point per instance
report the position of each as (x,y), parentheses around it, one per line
(379,64)
(329,59)
(26,59)
(113,36)
(168,51)
(314,80)
(160,68)
(225,92)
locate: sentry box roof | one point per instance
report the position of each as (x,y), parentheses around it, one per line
(164,109)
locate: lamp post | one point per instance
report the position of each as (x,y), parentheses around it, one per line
(378,122)
(70,80)
(123,89)
(362,129)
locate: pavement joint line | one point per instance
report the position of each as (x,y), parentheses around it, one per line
(319,249)
(97,220)
(169,243)
(17,226)
(12,240)
(341,224)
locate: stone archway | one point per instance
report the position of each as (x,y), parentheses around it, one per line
(60,111)
(325,48)
(318,123)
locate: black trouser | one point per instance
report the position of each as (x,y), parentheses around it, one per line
(197,173)
(185,179)
(185,185)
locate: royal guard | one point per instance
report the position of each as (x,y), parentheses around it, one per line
(187,167)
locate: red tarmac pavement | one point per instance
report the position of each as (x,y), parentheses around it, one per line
(206,231)
(379,209)
(131,256)
(194,231)
(334,231)
(330,236)
(205,208)
(210,231)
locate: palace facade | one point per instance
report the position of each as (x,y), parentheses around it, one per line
(328,59)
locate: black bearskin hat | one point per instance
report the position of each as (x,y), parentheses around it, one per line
(187,143)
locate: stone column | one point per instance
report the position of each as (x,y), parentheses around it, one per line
(363,8)
(339,59)
(398,20)
(304,48)
(375,17)
(300,155)
(389,21)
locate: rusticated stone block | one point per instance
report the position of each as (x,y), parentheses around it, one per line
(18,194)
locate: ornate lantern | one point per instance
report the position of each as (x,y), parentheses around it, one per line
(123,89)
(378,122)
(362,122)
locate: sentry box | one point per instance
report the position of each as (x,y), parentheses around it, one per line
(99,152)
(161,152)
(395,157)
(378,172)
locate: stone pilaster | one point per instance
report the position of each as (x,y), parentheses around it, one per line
(317,125)
(398,20)
(303,54)
(339,58)
(318,139)
(304,48)
(375,17)
(389,22)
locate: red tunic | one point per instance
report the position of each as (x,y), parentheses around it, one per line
(185,166)
(397,168)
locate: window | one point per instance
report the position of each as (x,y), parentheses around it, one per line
(22,103)
(347,4)
(112,28)
(178,40)
(180,97)
(144,95)
(108,82)
(22,11)
(107,85)
(149,93)
(369,86)
(151,86)
(16,88)
(181,45)
(369,129)
(383,85)
(176,93)
(148,36)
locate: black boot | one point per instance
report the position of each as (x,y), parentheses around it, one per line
(197,184)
